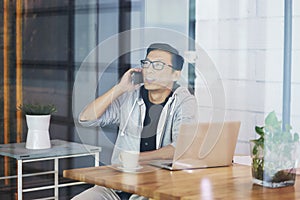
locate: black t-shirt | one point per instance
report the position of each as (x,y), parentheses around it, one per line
(153,111)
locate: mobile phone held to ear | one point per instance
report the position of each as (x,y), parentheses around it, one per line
(137,78)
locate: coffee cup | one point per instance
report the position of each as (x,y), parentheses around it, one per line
(129,159)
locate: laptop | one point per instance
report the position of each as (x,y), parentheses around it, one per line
(203,145)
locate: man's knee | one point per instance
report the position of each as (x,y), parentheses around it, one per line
(97,193)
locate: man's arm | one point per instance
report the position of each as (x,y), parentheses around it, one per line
(164,153)
(96,108)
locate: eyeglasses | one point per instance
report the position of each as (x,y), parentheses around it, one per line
(157,65)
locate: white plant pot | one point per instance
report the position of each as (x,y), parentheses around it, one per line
(38,132)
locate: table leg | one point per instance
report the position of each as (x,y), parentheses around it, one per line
(56,178)
(97,157)
(20,179)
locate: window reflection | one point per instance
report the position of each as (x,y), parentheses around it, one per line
(53,39)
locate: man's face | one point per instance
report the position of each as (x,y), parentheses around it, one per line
(160,79)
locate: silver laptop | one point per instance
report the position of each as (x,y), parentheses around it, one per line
(203,145)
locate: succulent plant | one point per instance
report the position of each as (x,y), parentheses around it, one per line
(37,109)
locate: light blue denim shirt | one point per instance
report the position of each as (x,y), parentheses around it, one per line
(128,111)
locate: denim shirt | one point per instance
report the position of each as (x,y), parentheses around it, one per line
(128,111)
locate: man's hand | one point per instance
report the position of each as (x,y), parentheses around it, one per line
(125,84)
(164,153)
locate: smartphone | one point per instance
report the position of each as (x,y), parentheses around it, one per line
(137,78)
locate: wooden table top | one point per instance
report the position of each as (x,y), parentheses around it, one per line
(232,182)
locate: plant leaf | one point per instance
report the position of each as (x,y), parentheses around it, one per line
(259,130)
(271,119)
(296,137)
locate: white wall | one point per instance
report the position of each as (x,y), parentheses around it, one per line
(244,39)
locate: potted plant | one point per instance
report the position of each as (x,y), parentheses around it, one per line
(38,119)
(274,154)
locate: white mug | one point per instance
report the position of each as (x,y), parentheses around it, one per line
(129,159)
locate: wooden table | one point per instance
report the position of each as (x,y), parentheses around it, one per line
(232,182)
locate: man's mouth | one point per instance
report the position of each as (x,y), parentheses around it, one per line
(149,80)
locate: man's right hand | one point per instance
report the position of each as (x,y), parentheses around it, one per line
(125,84)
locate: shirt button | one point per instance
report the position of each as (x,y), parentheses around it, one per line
(146,143)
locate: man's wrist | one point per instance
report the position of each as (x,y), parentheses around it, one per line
(118,90)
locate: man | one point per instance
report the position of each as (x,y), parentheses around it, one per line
(149,116)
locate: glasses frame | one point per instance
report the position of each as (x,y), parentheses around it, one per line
(152,63)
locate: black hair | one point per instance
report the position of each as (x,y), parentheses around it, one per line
(177,60)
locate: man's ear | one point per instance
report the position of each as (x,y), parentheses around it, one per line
(176,75)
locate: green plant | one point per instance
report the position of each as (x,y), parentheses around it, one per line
(37,109)
(272,152)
